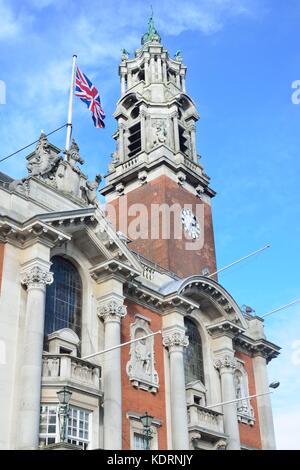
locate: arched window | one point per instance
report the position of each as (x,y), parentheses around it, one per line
(193,356)
(63,298)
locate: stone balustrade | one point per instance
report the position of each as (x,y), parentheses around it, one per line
(130,163)
(206,418)
(64,367)
(148,273)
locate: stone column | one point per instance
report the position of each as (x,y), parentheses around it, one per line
(152,69)
(36,277)
(123,84)
(175,340)
(264,403)
(193,143)
(112,311)
(143,130)
(226,365)
(146,67)
(129,79)
(164,71)
(178,80)
(121,142)
(176,132)
(183,83)
(159,69)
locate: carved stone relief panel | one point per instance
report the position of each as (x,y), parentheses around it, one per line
(159,132)
(141,366)
(244,408)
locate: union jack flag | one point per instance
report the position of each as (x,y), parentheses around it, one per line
(89,94)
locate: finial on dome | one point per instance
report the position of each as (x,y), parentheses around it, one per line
(152,34)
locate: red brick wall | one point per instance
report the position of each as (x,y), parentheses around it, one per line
(169,253)
(250,435)
(1,262)
(135,400)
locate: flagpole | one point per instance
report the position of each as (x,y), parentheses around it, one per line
(70,112)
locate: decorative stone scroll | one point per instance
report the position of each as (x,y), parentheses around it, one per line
(226,362)
(141,366)
(36,277)
(175,338)
(112,310)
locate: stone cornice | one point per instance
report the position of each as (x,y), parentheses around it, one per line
(24,234)
(100,233)
(201,288)
(194,173)
(113,268)
(224,328)
(260,347)
(56,227)
(154,300)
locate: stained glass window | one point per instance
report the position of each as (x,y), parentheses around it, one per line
(193,355)
(63,298)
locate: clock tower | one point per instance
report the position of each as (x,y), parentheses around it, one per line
(157,192)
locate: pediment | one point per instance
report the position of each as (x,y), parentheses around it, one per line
(93,235)
(213,300)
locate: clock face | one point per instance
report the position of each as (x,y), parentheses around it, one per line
(190,223)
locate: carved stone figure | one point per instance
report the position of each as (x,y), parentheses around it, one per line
(46,164)
(43,160)
(240,392)
(140,368)
(178,56)
(42,164)
(73,156)
(152,33)
(244,408)
(125,54)
(143,358)
(160,132)
(70,178)
(90,190)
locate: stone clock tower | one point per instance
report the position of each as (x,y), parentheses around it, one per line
(155,184)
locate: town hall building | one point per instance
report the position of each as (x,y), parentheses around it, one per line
(79,278)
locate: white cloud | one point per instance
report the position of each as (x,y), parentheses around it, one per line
(287,427)
(11,24)
(42,74)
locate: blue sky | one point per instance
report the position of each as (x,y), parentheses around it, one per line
(242,57)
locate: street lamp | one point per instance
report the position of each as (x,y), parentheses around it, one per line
(274,384)
(146,421)
(64,396)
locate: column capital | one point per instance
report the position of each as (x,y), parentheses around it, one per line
(112,310)
(36,277)
(226,363)
(175,337)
